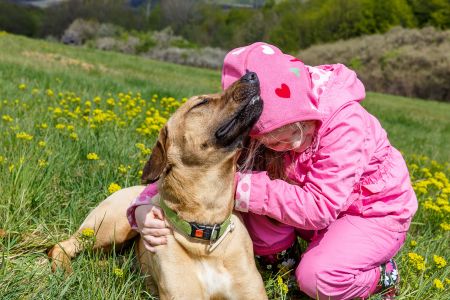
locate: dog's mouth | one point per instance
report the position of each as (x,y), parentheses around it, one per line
(232,133)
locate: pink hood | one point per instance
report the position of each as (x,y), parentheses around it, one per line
(291,91)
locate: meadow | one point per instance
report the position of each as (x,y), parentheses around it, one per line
(77,124)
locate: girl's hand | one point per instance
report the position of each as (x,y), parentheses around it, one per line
(152,226)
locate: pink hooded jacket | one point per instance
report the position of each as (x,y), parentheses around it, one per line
(350,168)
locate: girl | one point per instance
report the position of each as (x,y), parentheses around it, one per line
(327,174)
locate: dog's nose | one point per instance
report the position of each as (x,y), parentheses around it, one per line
(251,77)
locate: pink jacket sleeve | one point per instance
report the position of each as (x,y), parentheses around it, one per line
(144,198)
(336,167)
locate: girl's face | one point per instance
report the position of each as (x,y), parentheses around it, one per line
(290,137)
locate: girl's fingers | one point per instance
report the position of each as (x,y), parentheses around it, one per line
(149,247)
(154,223)
(155,232)
(155,241)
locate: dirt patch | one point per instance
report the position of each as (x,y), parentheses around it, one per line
(64,61)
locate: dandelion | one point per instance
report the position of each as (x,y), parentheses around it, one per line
(110,101)
(7,118)
(118,272)
(113,187)
(74,136)
(42,163)
(50,93)
(44,126)
(93,156)
(24,136)
(87,232)
(60,126)
(445,226)
(413,243)
(438,284)
(42,144)
(417,261)
(122,169)
(22,86)
(11,168)
(439,261)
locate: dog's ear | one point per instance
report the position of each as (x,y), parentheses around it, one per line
(157,161)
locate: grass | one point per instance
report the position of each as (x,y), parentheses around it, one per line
(48,185)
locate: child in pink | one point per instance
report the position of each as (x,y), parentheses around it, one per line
(343,187)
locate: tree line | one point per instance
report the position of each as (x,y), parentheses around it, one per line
(290,24)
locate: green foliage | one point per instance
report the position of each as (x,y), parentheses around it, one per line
(18,19)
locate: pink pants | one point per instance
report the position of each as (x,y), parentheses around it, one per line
(341,262)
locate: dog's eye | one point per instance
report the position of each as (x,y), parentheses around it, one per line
(204,101)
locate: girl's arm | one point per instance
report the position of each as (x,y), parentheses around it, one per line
(144,198)
(337,166)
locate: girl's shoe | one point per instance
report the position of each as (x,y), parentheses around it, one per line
(388,287)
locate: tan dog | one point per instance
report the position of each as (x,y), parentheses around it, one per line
(195,162)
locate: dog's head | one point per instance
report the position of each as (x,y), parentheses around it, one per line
(206,131)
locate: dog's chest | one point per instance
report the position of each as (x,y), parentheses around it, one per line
(217,280)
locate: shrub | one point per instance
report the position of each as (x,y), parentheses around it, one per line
(80,31)
(408,62)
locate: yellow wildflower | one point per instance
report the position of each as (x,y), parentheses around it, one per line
(417,261)
(42,144)
(42,163)
(74,136)
(111,101)
(60,126)
(113,187)
(22,86)
(413,243)
(24,136)
(50,93)
(438,284)
(7,118)
(11,168)
(93,156)
(87,232)
(439,261)
(445,226)
(122,169)
(118,272)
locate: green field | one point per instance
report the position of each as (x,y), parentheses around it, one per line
(60,105)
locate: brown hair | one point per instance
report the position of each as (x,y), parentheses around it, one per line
(257,157)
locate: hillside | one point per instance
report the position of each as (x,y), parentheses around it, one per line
(413,125)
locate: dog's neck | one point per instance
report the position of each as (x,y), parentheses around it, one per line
(205,196)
